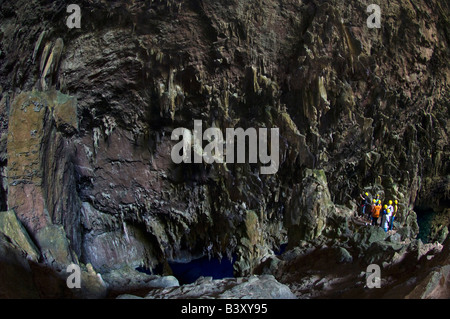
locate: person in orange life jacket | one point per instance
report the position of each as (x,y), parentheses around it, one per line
(365,203)
(374,203)
(376,214)
(385,218)
(372,209)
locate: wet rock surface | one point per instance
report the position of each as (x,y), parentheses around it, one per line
(86,117)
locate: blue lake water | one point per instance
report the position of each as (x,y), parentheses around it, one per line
(424,217)
(281,250)
(187,273)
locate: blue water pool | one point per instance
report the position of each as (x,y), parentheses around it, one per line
(187,273)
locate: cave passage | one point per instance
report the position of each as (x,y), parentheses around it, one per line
(424,218)
(189,272)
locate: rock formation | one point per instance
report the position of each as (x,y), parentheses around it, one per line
(85,141)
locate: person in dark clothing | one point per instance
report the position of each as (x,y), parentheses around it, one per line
(365,204)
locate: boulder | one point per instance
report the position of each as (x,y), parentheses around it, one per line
(263,287)
(252,287)
(127,278)
(338,222)
(269,265)
(436,285)
(383,253)
(364,238)
(55,246)
(164,282)
(393,238)
(12,228)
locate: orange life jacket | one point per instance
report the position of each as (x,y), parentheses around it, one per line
(376,211)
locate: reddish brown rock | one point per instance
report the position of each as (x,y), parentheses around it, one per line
(41,187)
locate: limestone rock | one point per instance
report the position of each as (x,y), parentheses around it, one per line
(51,64)
(55,246)
(11,227)
(164,282)
(253,287)
(435,286)
(411,227)
(369,235)
(309,207)
(40,172)
(382,252)
(252,248)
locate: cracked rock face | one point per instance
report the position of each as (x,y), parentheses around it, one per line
(87,116)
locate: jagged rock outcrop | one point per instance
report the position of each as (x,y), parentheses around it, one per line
(254,287)
(41,180)
(12,229)
(330,268)
(87,114)
(28,271)
(309,208)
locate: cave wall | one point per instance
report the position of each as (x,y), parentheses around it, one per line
(368,108)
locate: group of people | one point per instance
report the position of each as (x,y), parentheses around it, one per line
(373,210)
